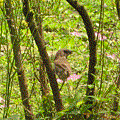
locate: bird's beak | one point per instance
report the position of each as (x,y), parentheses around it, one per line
(67,52)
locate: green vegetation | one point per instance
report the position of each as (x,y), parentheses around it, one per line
(63,28)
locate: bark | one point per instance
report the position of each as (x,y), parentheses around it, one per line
(92,47)
(42,79)
(116,100)
(42,50)
(118,7)
(18,63)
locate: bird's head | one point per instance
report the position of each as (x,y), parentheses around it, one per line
(62,53)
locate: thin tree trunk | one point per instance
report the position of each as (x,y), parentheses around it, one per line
(42,50)
(92,48)
(17,56)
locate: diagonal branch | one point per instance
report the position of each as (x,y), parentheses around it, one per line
(42,50)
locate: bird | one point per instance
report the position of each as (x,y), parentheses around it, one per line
(62,66)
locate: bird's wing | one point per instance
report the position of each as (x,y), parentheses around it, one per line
(62,68)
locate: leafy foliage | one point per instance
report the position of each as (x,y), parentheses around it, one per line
(63,28)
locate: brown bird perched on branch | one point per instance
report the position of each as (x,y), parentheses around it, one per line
(62,67)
